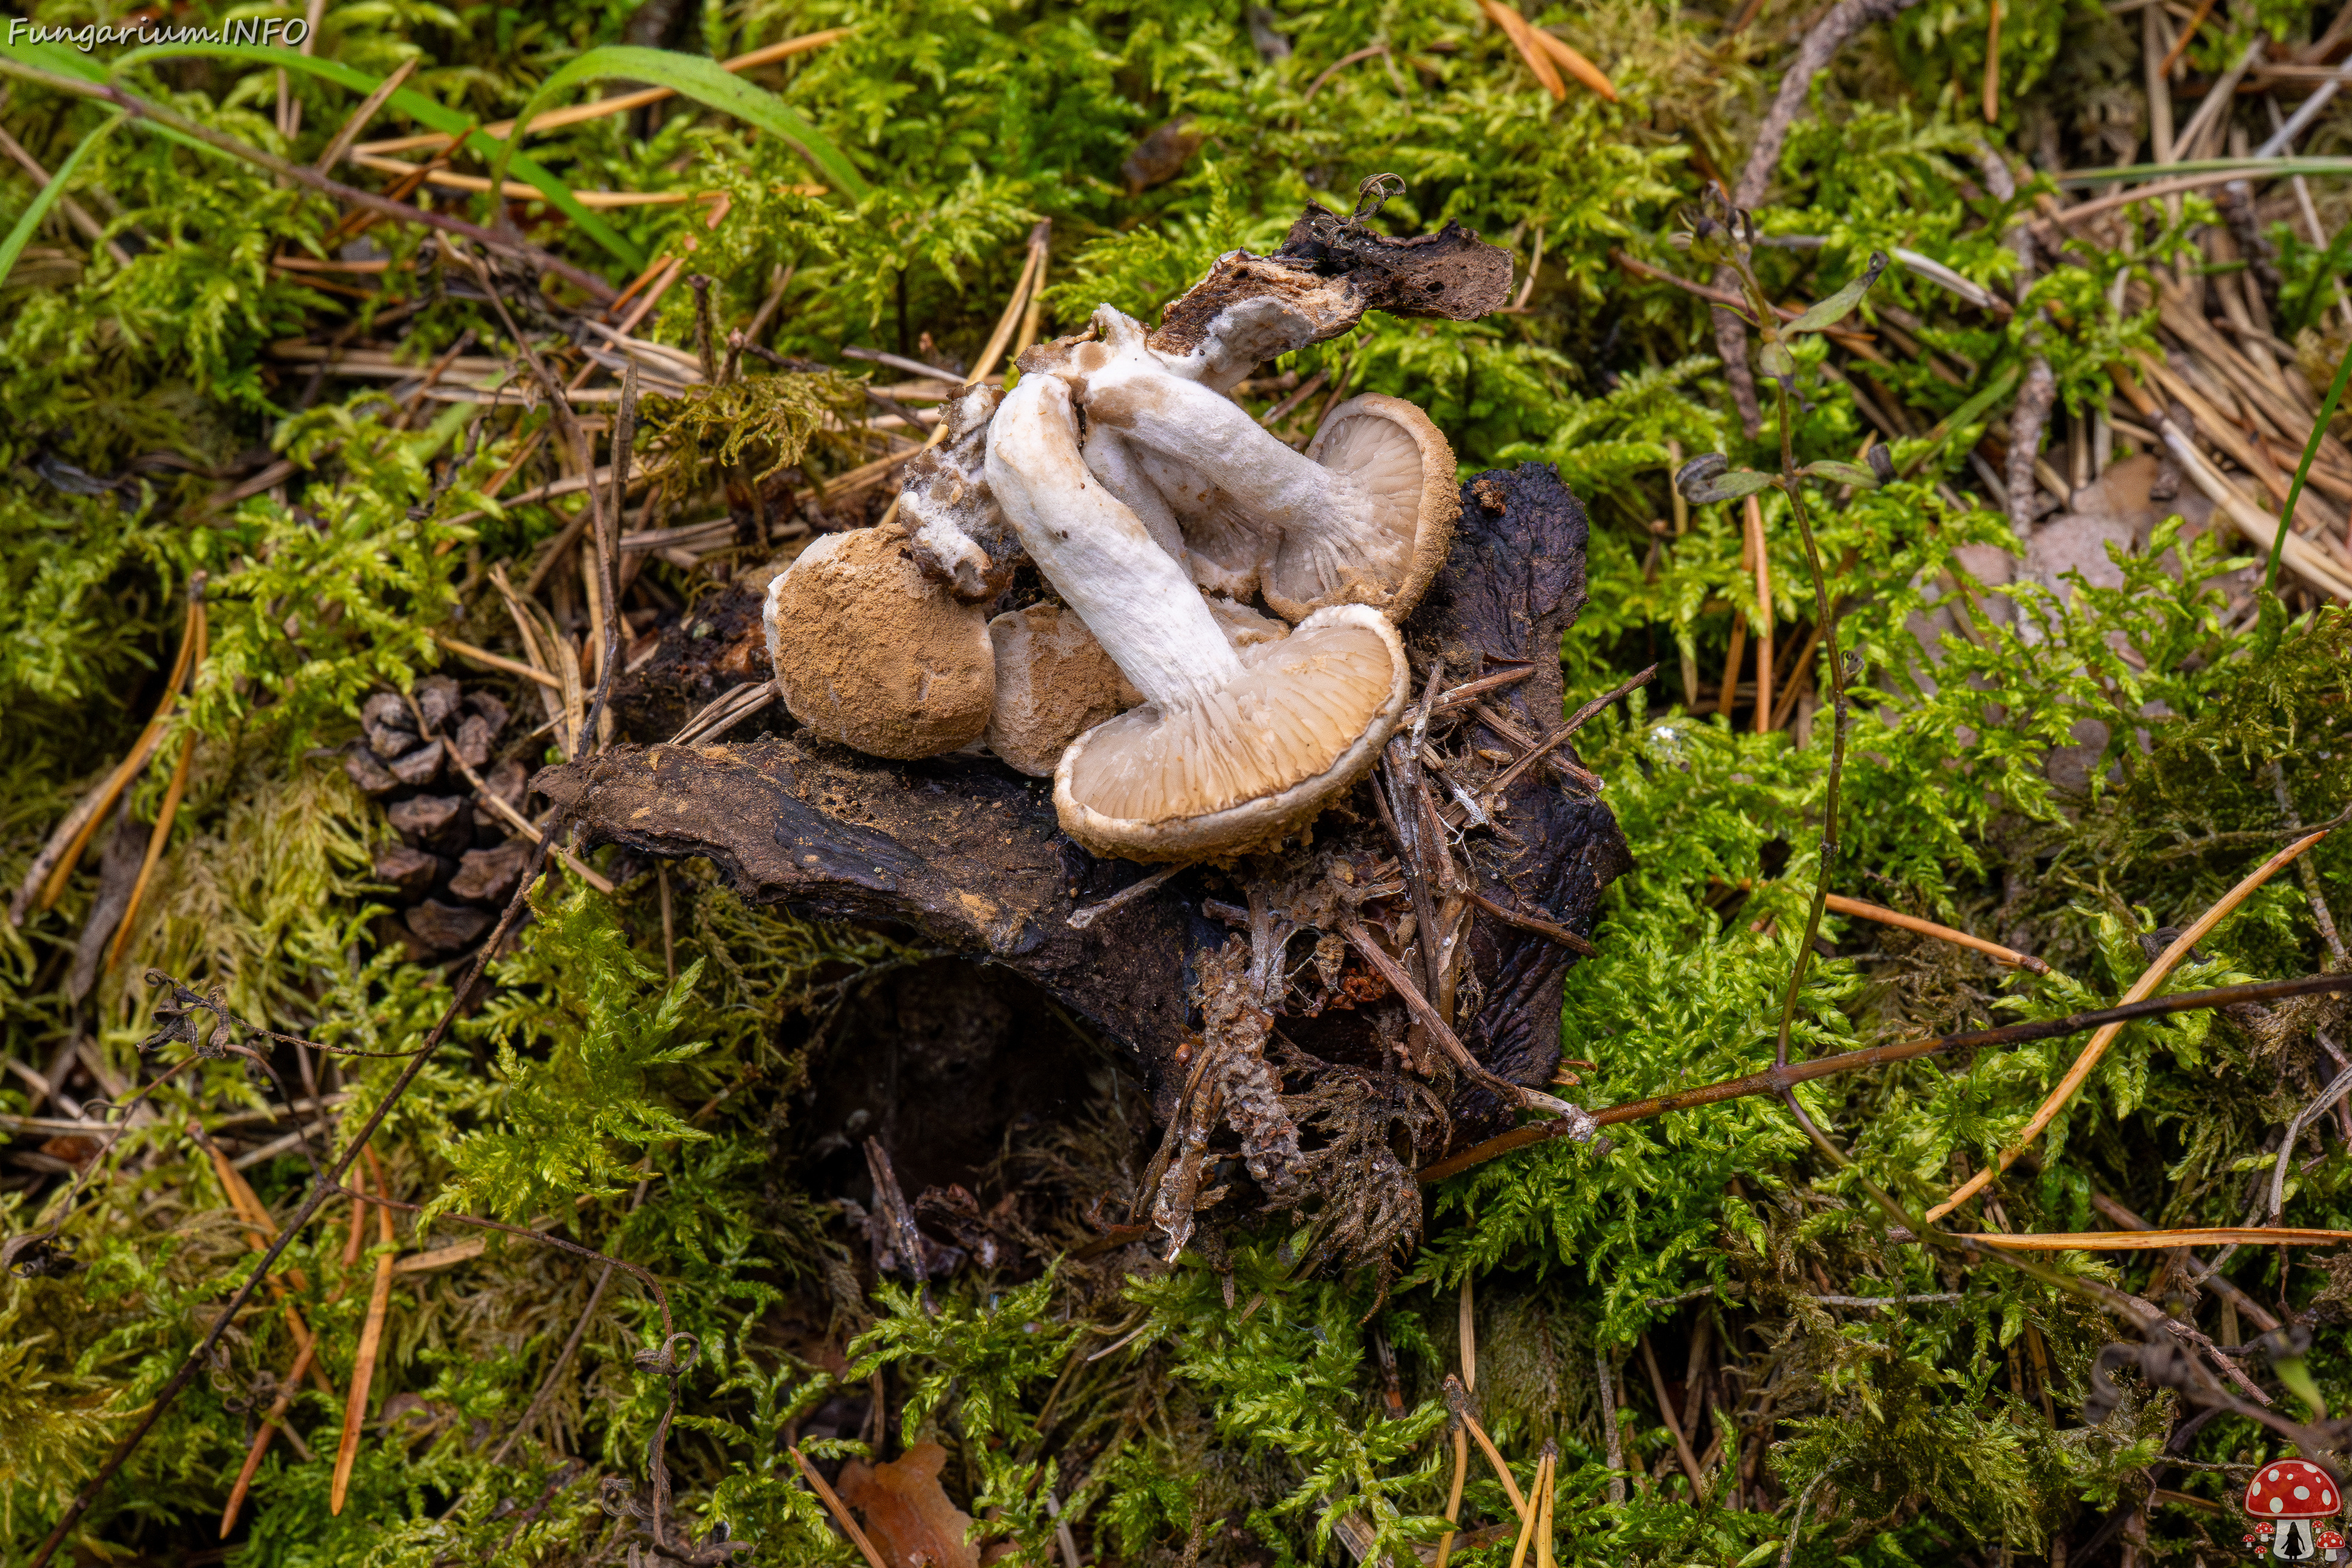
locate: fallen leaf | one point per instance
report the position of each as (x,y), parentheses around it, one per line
(907,1513)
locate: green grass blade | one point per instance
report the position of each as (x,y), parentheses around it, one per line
(418,107)
(2303,470)
(46,197)
(708,83)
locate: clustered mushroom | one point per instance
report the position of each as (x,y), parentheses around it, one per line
(1177,719)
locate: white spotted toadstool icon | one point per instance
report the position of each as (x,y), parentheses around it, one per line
(2290,1495)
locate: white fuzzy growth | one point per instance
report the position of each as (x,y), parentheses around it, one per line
(1132,595)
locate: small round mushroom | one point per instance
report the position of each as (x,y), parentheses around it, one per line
(875,653)
(1054,682)
(1232,750)
(1365,518)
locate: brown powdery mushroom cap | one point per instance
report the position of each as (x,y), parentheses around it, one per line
(873,652)
(1054,682)
(2293,1489)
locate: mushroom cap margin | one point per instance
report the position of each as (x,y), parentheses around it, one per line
(1257,821)
(1436,501)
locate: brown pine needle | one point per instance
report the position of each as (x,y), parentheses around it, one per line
(1453,1496)
(1523,38)
(1459,1400)
(2142,988)
(839,1511)
(2157,1240)
(2180,44)
(1887,917)
(347,1451)
(156,841)
(1754,520)
(1527,1516)
(1992,65)
(1674,1428)
(278,1407)
(82,822)
(1543,1502)
(1574,62)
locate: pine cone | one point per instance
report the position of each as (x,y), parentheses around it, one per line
(456,859)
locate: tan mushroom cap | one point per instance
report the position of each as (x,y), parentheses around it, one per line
(1054,682)
(1392,450)
(873,653)
(1249,766)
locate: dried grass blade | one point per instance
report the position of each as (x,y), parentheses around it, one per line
(362,115)
(371,1342)
(2141,989)
(485,658)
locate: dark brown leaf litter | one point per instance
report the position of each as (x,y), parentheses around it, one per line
(1320,1054)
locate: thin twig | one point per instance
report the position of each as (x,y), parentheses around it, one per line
(1574,1122)
(1778,1079)
(1543,927)
(1576,721)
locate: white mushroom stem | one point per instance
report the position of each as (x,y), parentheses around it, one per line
(1111,460)
(1131,389)
(1134,595)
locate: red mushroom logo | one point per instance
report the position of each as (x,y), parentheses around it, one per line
(2290,1495)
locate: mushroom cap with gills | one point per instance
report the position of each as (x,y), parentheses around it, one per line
(1232,750)
(2293,1489)
(1055,683)
(1392,450)
(1253,764)
(873,652)
(1368,524)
